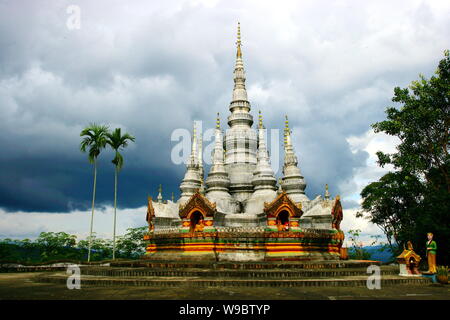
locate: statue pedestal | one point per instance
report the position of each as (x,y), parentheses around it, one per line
(403,270)
(430,276)
(406,272)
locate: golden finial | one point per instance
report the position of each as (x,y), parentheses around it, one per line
(260,120)
(286,130)
(286,126)
(173,198)
(194,134)
(239,34)
(218,121)
(239,53)
(160,188)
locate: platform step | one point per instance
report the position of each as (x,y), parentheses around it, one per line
(201,264)
(326,264)
(236,273)
(231,282)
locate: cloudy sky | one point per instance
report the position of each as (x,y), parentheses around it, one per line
(152,67)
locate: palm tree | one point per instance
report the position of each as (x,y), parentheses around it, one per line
(117,141)
(94,139)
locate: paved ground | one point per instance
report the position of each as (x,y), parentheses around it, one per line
(22,286)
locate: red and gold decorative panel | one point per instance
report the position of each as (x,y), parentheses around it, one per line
(281,203)
(200,203)
(294,223)
(186,223)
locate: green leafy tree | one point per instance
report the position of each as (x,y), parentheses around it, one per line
(100,248)
(132,244)
(414,198)
(55,239)
(55,245)
(95,137)
(117,142)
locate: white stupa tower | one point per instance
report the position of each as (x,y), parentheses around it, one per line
(192,179)
(218,182)
(264,182)
(293,182)
(240,139)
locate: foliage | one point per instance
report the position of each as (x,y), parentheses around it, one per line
(60,246)
(101,248)
(132,244)
(117,142)
(19,250)
(357,250)
(442,271)
(413,199)
(95,138)
(54,244)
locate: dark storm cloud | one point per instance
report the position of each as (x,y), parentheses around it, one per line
(55,184)
(153,67)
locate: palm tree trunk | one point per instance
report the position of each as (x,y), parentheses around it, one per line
(115,208)
(92,215)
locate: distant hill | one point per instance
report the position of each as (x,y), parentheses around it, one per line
(383,256)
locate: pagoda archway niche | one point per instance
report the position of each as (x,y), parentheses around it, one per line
(283,214)
(197,214)
(196,218)
(282,219)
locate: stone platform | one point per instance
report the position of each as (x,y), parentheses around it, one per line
(250,274)
(245,244)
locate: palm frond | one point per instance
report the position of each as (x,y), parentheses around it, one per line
(117,142)
(95,138)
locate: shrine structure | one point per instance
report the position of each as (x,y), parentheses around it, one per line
(240,212)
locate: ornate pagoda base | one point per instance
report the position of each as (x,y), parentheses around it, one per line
(251,244)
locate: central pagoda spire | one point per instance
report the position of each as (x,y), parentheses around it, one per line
(240,139)
(239,106)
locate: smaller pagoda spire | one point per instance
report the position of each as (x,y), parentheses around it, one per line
(260,122)
(327,194)
(194,145)
(160,198)
(217,182)
(200,156)
(173,197)
(287,136)
(293,181)
(192,179)
(280,190)
(263,176)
